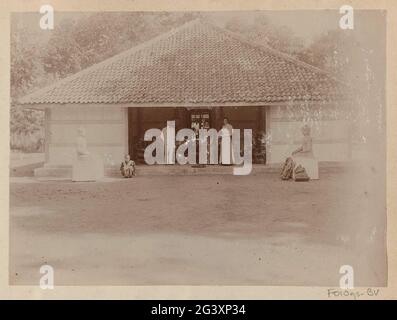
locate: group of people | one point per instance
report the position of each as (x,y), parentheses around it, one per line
(226,156)
(128,170)
(300,166)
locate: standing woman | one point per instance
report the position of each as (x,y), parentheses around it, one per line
(226,143)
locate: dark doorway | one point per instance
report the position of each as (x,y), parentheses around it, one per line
(199,119)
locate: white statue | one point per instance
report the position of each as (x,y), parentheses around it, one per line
(86,167)
(81,147)
(304,155)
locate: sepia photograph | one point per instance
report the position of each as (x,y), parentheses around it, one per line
(243,148)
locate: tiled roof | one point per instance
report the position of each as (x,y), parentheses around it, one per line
(197,63)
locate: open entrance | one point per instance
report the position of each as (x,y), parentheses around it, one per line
(199,119)
(243,117)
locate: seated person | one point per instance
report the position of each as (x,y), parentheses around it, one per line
(304,157)
(127,167)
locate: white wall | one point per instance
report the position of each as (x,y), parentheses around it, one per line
(329,130)
(106,131)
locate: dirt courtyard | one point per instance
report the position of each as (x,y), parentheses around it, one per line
(199,230)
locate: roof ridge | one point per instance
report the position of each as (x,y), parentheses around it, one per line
(275,52)
(195,28)
(111,59)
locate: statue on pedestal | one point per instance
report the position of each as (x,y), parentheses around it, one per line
(81,147)
(86,167)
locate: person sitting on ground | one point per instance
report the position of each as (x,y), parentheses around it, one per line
(127,167)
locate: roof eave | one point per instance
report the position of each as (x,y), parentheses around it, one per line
(291,102)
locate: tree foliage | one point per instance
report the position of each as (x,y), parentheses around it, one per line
(261,31)
(80,41)
(79,44)
(26,126)
(337,52)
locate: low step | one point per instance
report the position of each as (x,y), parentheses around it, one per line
(65,172)
(53,172)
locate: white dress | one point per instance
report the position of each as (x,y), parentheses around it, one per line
(226,145)
(169,150)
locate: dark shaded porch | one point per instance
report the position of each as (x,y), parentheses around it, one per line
(247,117)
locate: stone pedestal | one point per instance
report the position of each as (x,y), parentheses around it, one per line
(87,168)
(310,164)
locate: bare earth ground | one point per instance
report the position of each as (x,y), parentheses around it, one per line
(200,230)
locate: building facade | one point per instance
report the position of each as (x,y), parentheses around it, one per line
(197,73)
